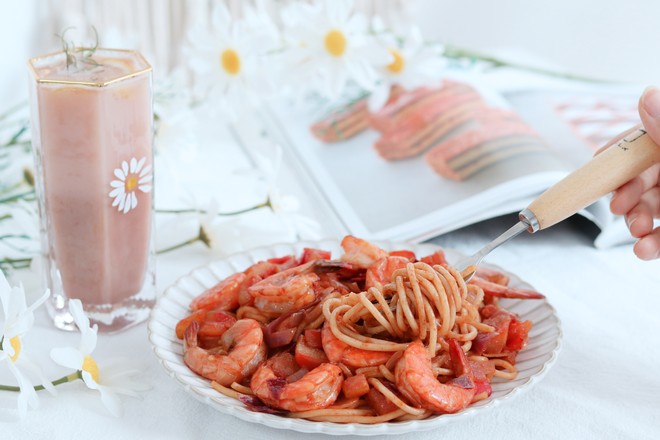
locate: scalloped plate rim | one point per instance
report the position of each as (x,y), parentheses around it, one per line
(305,426)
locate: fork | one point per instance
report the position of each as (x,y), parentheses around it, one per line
(601,175)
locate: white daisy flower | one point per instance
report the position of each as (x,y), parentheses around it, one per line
(227,58)
(18,320)
(329,44)
(132,176)
(250,230)
(414,65)
(109,384)
(285,206)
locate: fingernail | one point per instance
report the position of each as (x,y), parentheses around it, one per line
(651,101)
(630,220)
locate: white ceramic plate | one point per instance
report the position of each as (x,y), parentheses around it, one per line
(532,362)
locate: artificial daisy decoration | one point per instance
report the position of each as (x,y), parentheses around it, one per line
(131,177)
(414,64)
(329,44)
(286,207)
(18,320)
(108,383)
(227,58)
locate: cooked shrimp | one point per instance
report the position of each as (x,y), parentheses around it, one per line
(339,351)
(243,344)
(317,389)
(380,272)
(212,323)
(288,290)
(360,253)
(494,289)
(222,296)
(416,381)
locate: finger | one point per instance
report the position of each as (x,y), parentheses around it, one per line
(648,247)
(639,221)
(629,194)
(616,139)
(649,112)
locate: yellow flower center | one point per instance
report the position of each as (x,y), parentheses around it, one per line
(335,43)
(131,183)
(399,62)
(16,345)
(230,61)
(89,365)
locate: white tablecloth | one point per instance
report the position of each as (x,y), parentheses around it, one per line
(605,383)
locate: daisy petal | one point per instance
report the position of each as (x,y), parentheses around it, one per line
(88,339)
(120,175)
(133,165)
(28,396)
(122,202)
(118,200)
(89,381)
(124,167)
(67,357)
(140,164)
(145,179)
(115,192)
(378,97)
(145,170)
(28,365)
(79,317)
(117,184)
(145,188)
(111,401)
(133,200)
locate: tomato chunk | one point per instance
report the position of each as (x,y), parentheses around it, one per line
(379,403)
(518,332)
(355,386)
(309,357)
(313,338)
(438,257)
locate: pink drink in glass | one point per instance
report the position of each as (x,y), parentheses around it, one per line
(92,139)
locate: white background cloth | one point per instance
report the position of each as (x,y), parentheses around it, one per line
(604,384)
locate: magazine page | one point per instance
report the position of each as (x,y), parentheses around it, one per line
(427,163)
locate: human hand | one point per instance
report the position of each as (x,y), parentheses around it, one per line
(639,199)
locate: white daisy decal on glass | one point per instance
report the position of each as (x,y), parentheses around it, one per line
(131,177)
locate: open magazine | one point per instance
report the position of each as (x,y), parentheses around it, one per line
(435,160)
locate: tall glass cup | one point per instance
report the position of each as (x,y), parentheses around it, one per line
(92,125)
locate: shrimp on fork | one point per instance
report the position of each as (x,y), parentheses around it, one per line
(242,348)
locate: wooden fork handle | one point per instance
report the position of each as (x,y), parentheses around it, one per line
(601,175)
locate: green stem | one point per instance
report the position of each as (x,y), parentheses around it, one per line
(460,53)
(17,196)
(16,263)
(68,378)
(179,246)
(220,214)
(14,139)
(22,236)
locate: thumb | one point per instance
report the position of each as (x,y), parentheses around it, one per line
(649,112)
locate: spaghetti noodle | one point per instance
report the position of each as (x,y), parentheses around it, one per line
(367,355)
